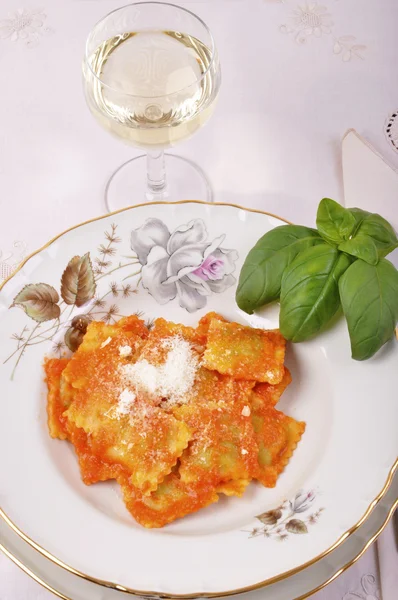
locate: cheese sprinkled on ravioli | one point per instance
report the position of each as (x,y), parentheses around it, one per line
(171,380)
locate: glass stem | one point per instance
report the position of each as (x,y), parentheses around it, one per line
(156,171)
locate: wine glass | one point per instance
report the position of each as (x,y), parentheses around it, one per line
(151,77)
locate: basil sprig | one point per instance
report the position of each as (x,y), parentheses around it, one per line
(261,277)
(316,272)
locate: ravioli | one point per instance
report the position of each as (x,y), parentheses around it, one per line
(56,405)
(223,447)
(212,386)
(245,353)
(146,440)
(272,393)
(93,466)
(155,350)
(174,454)
(202,329)
(173,499)
(100,347)
(234,487)
(277,437)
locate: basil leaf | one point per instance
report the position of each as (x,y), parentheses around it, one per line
(372,226)
(334,222)
(369,296)
(310,293)
(363,247)
(261,275)
(359,216)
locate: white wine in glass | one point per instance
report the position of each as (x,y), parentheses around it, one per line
(152,77)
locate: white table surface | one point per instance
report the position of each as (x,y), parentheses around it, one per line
(288,96)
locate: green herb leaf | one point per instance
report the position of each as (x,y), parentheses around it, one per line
(310,293)
(334,222)
(359,216)
(371,227)
(363,247)
(261,275)
(369,296)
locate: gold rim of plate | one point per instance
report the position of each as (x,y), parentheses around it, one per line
(250,588)
(339,572)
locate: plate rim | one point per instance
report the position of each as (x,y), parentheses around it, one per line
(191,595)
(28,571)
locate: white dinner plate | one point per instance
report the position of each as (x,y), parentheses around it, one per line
(302,585)
(339,471)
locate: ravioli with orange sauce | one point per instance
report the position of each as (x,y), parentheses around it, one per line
(176,415)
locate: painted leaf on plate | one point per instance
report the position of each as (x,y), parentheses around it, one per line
(270,517)
(39,301)
(78,283)
(296,526)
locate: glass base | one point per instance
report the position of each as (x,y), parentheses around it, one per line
(128,184)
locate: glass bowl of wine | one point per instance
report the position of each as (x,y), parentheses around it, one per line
(151,77)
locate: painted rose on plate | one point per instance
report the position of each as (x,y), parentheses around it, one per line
(183,264)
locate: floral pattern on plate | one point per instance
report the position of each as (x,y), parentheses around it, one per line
(183,264)
(62,317)
(280,522)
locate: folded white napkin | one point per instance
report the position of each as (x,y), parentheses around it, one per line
(372,184)
(369,181)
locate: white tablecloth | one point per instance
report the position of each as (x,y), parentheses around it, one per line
(296,76)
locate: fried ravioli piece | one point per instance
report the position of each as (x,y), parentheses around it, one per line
(277,437)
(271,393)
(147,441)
(212,386)
(235,487)
(100,347)
(224,446)
(204,324)
(245,353)
(144,439)
(58,398)
(172,500)
(93,466)
(155,350)
(172,459)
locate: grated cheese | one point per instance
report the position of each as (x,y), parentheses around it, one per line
(126,401)
(246,411)
(109,339)
(171,380)
(124,405)
(244,451)
(124,351)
